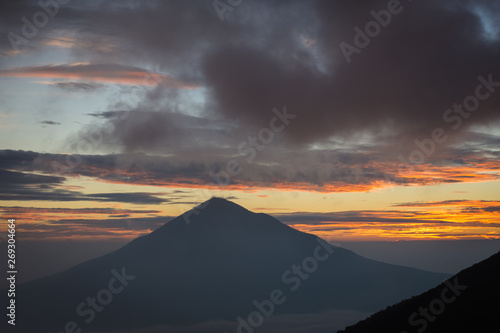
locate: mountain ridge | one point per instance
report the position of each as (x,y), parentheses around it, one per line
(215,267)
(465,302)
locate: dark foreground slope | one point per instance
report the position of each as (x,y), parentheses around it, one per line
(212,268)
(467,302)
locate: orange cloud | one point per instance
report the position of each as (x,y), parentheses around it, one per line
(418,177)
(118,74)
(38,223)
(454,219)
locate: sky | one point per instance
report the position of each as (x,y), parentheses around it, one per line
(351,120)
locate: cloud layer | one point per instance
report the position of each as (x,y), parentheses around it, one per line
(396,89)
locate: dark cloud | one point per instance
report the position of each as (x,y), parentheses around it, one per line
(69,222)
(467,206)
(364,216)
(356,117)
(158,131)
(328,171)
(12,180)
(50,122)
(402,82)
(492,209)
(42,231)
(430,203)
(134,197)
(143,223)
(108,114)
(78,86)
(29,210)
(397,88)
(22,186)
(11,14)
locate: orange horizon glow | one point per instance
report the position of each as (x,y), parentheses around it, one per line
(394,219)
(452,219)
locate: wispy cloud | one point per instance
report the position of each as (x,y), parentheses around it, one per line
(308,172)
(76,86)
(449,219)
(108,73)
(50,122)
(24,186)
(58,223)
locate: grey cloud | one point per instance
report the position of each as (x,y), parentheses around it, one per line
(334,171)
(11,180)
(23,186)
(145,223)
(397,88)
(156,131)
(402,82)
(133,197)
(78,86)
(17,209)
(47,231)
(319,219)
(50,122)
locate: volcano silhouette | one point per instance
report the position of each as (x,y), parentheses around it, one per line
(213,263)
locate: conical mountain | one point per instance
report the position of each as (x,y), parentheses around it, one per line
(215,262)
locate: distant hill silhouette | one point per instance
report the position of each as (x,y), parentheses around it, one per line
(468,302)
(215,262)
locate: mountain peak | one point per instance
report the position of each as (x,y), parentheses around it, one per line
(216,208)
(220,221)
(214,213)
(218,203)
